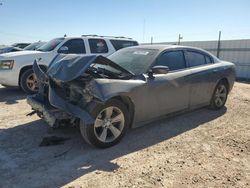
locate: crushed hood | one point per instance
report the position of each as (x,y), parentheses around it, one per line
(70,67)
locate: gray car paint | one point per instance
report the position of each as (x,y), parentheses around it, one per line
(151,98)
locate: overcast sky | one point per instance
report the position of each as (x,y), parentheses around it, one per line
(29,20)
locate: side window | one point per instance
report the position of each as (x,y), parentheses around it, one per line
(119,44)
(208,59)
(98,46)
(195,59)
(75,46)
(14,50)
(174,60)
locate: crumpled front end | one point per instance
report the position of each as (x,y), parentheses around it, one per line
(49,114)
(66,91)
(55,105)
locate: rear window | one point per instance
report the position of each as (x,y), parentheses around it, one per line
(119,44)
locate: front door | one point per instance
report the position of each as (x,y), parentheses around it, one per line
(167,93)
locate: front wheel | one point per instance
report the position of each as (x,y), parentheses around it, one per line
(219,96)
(111,123)
(28,82)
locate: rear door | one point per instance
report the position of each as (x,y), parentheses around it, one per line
(202,77)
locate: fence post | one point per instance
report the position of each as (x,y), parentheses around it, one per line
(179,39)
(218,47)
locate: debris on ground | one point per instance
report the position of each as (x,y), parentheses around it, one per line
(53,140)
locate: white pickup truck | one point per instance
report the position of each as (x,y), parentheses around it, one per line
(16,67)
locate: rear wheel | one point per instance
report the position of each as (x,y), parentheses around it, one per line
(111,122)
(220,96)
(28,82)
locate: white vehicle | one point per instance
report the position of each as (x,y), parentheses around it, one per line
(16,67)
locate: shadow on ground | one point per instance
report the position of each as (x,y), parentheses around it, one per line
(11,95)
(24,163)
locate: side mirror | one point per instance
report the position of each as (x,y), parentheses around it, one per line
(63,50)
(157,70)
(160,69)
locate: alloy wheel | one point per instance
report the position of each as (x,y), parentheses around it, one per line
(109,124)
(220,95)
(32,83)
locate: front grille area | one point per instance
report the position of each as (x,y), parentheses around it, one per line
(61,90)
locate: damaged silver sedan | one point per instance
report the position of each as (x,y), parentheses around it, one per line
(131,87)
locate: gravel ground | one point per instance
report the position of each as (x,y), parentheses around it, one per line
(202,148)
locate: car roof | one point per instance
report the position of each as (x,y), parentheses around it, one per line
(163,47)
(101,37)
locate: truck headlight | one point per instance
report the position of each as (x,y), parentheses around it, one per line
(6,64)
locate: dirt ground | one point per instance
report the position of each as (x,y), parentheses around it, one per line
(202,148)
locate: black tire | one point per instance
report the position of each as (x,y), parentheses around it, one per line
(214,104)
(23,82)
(88,131)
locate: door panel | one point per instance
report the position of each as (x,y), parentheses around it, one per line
(164,94)
(202,79)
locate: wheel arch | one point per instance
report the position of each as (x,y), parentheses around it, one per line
(225,80)
(129,104)
(25,68)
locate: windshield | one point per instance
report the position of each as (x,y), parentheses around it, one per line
(135,60)
(51,45)
(20,45)
(34,46)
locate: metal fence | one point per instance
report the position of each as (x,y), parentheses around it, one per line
(236,51)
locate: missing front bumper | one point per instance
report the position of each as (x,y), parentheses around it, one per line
(49,114)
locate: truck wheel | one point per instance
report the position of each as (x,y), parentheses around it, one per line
(111,123)
(28,82)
